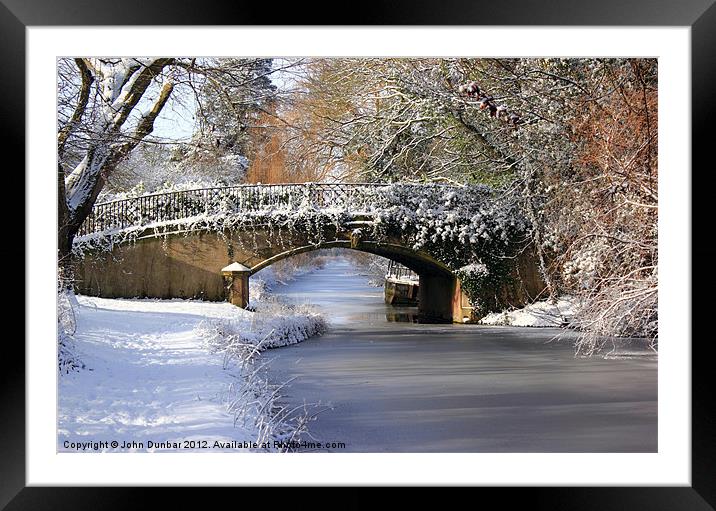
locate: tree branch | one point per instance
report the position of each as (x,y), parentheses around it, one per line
(67,129)
(138,88)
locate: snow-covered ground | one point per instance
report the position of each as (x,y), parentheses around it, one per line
(164,371)
(402,280)
(538,314)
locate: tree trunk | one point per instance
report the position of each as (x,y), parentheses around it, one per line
(78,192)
(65,234)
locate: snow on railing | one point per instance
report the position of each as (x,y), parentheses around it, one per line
(170,206)
(177,205)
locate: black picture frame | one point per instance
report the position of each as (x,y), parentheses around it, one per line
(700,15)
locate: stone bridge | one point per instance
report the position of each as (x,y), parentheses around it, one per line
(175,245)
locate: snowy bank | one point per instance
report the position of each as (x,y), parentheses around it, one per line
(272,326)
(538,314)
(152,374)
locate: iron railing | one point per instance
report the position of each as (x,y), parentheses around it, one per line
(399,272)
(172,206)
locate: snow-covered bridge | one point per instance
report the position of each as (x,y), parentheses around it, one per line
(178,206)
(174,245)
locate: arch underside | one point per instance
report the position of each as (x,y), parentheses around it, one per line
(420,262)
(437,290)
(181,266)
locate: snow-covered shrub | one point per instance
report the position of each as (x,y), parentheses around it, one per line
(254,397)
(254,402)
(545,313)
(67,307)
(260,288)
(628,308)
(272,325)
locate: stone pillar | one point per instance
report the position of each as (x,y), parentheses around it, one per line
(236,279)
(462,310)
(435,298)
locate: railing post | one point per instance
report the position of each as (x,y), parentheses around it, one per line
(236,278)
(175,205)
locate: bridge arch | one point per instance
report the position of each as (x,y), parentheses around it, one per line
(189,266)
(420,263)
(174,245)
(440,298)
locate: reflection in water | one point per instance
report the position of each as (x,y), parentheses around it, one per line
(403,314)
(395,386)
(345,296)
(396,314)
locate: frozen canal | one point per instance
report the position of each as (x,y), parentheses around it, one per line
(408,387)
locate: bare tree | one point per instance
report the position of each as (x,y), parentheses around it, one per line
(573,140)
(118,87)
(108,106)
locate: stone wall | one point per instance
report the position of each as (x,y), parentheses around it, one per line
(400,293)
(189,266)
